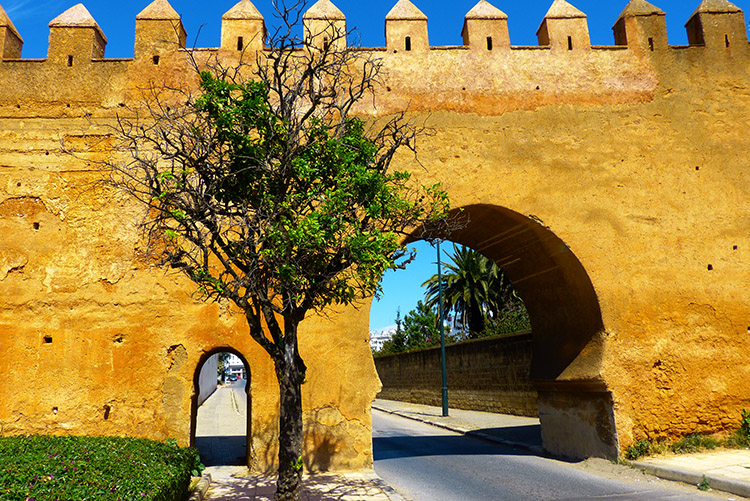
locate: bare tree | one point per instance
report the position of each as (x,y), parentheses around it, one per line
(265,190)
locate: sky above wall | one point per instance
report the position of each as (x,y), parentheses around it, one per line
(202,22)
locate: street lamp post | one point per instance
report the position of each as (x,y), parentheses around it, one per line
(442,333)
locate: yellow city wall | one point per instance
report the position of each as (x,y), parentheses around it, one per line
(611,183)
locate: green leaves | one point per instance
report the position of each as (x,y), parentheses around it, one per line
(101,468)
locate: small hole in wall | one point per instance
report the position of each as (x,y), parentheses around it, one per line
(570,43)
(726,40)
(240,43)
(734,247)
(18,184)
(407,44)
(489,43)
(388,89)
(47,339)
(651,44)
(36,225)
(119,338)
(537,87)
(107,410)
(46,153)
(67,105)
(18,106)
(697,168)
(155,59)
(70,60)
(121,105)
(710,267)
(54,410)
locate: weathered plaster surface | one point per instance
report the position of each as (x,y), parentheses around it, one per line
(610,183)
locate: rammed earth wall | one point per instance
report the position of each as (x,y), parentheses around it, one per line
(609,182)
(490,375)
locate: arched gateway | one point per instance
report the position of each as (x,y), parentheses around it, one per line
(611,183)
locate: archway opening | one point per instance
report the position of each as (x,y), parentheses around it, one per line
(574,404)
(221,408)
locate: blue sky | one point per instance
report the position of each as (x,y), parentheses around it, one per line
(117,20)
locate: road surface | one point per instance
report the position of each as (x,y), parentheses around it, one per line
(423,462)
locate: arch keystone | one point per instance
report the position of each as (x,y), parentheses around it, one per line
(11,42)
(75,37)
(564,28)
(486,28)
(158,30)
(717,24)
(324,23)
(243,28)
(406,29)
(641,26)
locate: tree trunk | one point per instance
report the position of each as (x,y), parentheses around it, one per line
(476,320)
(290,374)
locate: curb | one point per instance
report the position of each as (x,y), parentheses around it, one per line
(716,482)
(201,489)
(472,433)
(384,486)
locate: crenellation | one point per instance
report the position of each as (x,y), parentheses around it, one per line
(243,29)
(158,31)
(564,28)
(406,29)
(486,28)
(11,42)
(717,24)
(641,26)
(75,38)
(324,24)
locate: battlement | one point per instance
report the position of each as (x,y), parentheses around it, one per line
(563,68)
(75,34)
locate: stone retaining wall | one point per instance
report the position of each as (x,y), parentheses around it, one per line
(484,374)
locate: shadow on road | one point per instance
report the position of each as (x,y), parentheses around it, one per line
(411,446)
(222,451)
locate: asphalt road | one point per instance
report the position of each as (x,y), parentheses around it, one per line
(423,462)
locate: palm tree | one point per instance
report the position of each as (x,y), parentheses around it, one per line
(474,288)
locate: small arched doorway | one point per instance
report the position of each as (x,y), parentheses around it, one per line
(221,408)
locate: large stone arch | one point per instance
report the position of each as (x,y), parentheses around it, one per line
(575,404)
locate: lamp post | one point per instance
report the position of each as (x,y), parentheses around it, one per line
(442,332)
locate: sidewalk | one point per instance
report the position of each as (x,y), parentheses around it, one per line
(220,438)
(725,470)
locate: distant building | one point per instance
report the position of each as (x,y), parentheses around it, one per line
(235,367)
(377,339)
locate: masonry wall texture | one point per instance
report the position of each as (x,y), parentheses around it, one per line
(491,375)
(611,183)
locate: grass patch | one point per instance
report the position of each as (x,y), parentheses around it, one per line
(45,468)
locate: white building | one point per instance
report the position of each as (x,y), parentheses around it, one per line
(378,338)
(235,367)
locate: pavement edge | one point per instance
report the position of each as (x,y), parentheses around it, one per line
(473,433)
(381,484)
(199,493)
(716,482)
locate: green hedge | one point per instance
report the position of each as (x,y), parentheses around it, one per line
(44,468)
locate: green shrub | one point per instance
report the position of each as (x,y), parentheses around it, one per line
(640,449)
(693,443)
(44,468)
